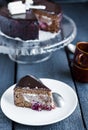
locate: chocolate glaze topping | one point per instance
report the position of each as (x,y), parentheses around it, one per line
(31,82)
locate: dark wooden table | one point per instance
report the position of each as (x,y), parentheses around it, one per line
(57,67)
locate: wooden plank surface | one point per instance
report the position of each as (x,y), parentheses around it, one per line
(80,17)
(6,80)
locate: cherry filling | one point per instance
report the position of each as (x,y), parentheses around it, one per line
(43,25)
(39,107)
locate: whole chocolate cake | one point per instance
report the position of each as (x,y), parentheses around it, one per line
(26,25)
(31,93)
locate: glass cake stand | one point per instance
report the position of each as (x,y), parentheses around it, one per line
(34,51)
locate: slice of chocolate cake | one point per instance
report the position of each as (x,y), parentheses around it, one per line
(31,93)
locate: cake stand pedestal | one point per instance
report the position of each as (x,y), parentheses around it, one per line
(34,51)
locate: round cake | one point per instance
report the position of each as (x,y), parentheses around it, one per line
(27,25)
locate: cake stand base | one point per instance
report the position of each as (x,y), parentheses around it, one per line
(30,59)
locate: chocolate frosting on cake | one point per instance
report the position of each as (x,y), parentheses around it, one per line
(32,83)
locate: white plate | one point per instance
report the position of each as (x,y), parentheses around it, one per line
(31,117)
